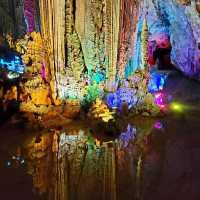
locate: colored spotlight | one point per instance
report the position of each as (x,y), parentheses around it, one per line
(158,125)
(176,107)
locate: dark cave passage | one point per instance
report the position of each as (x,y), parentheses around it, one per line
(163,59)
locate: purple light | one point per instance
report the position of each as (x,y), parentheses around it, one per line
(159,100)
(43,72)
(158,125)
(29,14)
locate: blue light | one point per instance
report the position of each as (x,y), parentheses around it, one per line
(121,96)
(12,63)
(17,58)
(15,65)
(157,81)
(112,100)
(98,77)
(127,136)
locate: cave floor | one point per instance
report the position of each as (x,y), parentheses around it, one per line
(161,162)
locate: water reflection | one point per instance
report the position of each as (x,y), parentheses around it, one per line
(74,164)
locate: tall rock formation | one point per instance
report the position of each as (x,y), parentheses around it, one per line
(81,36)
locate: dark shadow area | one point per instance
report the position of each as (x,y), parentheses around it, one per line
(162,55)
(7,110)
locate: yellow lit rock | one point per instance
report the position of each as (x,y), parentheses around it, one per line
(41,97)
(11,94)
(57,102)
(99,110)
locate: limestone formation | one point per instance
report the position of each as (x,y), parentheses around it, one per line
(100,111)
(180,21)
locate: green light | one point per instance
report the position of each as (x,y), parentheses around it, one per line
(176,107)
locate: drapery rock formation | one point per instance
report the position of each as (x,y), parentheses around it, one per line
(81,36)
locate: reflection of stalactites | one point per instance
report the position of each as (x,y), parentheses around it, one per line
(38,152)
(138,176)
(139,165)
(62,184)
(55,143)
(109,172)
(71,162)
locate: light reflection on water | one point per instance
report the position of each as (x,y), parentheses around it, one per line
(81,162)
(75,164)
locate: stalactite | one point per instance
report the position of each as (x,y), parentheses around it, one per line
(91,31)
(6,21)
(69,17)
(29,13)
(74,55)
(111,40)
(52,14)
(71,84)
(93,46)
(144,45)
(128,23)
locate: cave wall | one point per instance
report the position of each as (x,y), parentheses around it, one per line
(183,24)
(11,17)
(17,17)
(173,20)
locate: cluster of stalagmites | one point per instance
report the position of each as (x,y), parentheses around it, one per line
(144,101)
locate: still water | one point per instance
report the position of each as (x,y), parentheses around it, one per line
(146,159)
